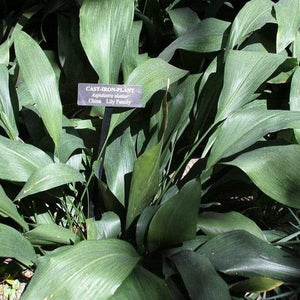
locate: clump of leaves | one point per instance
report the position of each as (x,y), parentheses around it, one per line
(220,85)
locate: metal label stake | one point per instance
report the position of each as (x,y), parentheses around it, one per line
(104,133)
(110,96)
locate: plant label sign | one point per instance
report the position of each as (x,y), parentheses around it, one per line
(112,95)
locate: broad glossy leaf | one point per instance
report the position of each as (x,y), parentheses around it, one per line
(142,285)
(7,118)
(274,171)
(68,144)
(199,276)
(295,97)
(207,36)
(253,16)
(8,208)
(287,16)
(104,27)
(108,227)
(153,75)
(40,80)
(172,191)
(212,223)
(132,58)
(179,107)
(88,270)
(249,125)
(178,218)
(14,245)
(245,71)
(255,285)
(48,177)
(118,164)
(241,253)
(50,234)
(23,160)
(144,183)
(183,19)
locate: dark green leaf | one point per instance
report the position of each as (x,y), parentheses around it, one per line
(88,270)
(180,107)
(245,71)
(118,164)
(177,217)
(40,80)
(249,125)
(241,253)
(23,160)
(207,36)
(8,208)
(14,245)
(212,223)
(68,144)
(183,19)
(48,177)
(142,285)
(142,226)
(274,171)
(104,38)
(50,234)
(145,181)
(108,227)
(199,276)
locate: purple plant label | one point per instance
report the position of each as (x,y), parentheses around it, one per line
(113,95)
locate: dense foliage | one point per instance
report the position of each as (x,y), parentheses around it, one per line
(199,197)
